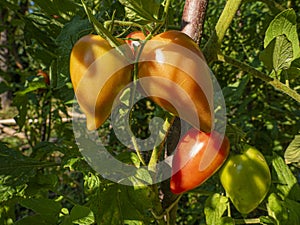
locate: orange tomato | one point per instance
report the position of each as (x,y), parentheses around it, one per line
(98,73)
(178,78)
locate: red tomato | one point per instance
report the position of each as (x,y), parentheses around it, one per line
(134,44)
(197,157)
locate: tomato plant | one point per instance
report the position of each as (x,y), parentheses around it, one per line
(179,78)
(252,49)
(104,73)
(197,157)
(246,178)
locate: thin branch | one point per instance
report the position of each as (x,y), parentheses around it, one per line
(258,74)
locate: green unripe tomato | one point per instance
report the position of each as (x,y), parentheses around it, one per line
(246,178)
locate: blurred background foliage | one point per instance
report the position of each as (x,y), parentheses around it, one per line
(36,39)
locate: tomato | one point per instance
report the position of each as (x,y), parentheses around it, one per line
(98,74)
(246,179)
(180,78)
(134,44)
(197,157)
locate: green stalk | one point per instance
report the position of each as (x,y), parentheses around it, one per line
(212,47)
(258,74)
(158,146)
(247,221)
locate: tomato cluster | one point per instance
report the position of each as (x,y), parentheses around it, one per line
(173,72)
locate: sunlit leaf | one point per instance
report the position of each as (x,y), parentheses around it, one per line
(284,23)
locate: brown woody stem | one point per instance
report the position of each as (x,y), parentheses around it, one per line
(193,18)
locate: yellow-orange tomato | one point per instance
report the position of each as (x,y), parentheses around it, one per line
(98,73)
(179,79)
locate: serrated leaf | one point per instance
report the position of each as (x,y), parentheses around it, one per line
(99,27)
(292,153)
(118,203)
(285,23)
(278,54)
(287,182)
(283,53)
(215,206)
(69,34)
(15,171)
(284,212)
(141,10)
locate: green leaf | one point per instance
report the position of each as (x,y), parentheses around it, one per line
(292,153)
(130,158)
(57,7)
(15,171)
(99,27)
(284,212)
(82,215)
(33,85)
(69,34)
(42,206)
(142,10)
(117,203)
(36,219)
(3,87)
(21,102)
(233,92)
(278,54)
(215,206)
(46,210)
(287,182)
(285,23)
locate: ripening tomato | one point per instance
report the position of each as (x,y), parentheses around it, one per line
(178,78)
(134,44)
(98,73)
(246,179)
(197,157)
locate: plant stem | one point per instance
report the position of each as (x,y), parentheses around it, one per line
(159,143)
(193,18)
(121,23)
(212,47)
(247,221)
(258,74)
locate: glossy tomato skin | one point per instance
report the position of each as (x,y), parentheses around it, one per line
(98,73)
(246,178)
(197,157)
(180,78)
(134,44)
